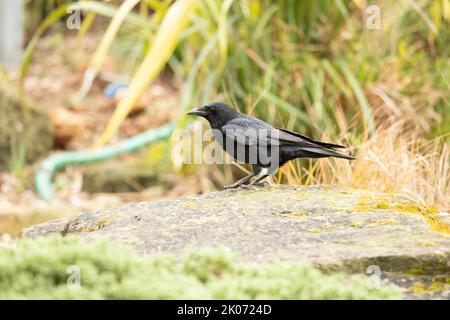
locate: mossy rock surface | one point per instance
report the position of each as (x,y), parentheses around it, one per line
(25,131)
(334,228)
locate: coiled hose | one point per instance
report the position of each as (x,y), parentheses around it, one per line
(48,167)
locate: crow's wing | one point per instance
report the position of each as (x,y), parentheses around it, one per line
(322,144)
(252,131)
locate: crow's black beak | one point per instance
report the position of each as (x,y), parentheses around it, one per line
(197,112)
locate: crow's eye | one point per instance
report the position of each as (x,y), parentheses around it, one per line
(210,108)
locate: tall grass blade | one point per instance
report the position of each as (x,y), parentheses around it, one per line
(223,36)
(87,23)
(102,49)
(163,46)
(283,104)
(53,17)
(360,96)
(100,8)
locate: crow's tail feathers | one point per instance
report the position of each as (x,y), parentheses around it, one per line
(318,152)
(318,149)
(320,143)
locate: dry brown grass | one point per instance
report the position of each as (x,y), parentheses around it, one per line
(389,161)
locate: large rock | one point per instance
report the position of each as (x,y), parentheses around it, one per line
(334,228)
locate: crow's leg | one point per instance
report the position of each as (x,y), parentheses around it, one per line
(241,182)
(263,173)
(259,179)
(256,170)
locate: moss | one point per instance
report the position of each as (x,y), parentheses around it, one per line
(398,203)
(102,222)
(45,269)
(418,288)
(190,203)
(438,284)
(382,205)
(416,271)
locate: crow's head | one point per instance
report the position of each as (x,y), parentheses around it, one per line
(215,112)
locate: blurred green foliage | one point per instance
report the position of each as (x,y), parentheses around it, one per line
(314,66)
(41,269)
(37,10)
(319,67)
(26,133)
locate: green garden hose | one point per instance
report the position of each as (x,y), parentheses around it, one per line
(48,167)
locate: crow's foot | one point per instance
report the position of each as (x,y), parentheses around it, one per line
(234,186)
(251,186)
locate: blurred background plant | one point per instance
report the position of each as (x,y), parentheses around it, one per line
(317,67)
(111,271)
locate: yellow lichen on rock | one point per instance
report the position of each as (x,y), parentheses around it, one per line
(400,203)
(438,284)
(101,223)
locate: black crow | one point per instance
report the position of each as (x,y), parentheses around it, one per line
(253,141)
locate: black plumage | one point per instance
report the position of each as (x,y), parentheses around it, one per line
(253,141)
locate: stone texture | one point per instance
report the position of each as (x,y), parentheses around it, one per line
(337,229)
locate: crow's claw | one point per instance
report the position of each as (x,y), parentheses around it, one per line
(251,186)
(233,186)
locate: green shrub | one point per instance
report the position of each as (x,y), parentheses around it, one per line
(41,269)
